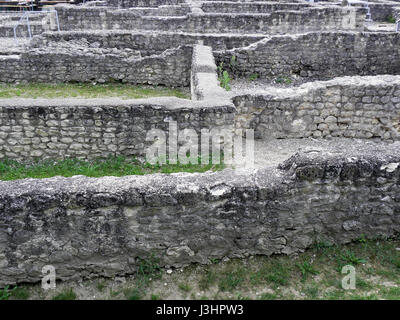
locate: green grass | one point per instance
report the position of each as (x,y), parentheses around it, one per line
(306,268)
(274,272)
(87,90)
(223,77)
(6,292)
(100,286)
(312,292)
(20,293)
(269,296)
(390,293)
(183,286)
(349,258)
(148,270)
(390,19)
(67,294)
(112,166)
(283,80)
(155,297)
(231,279)
(253,77)
(133,294)
(207,280)
(314,274)
(311,275)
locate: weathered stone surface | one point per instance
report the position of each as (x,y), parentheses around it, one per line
(96,128)
(304,20)
(335,108)
(87,227)
(318,55)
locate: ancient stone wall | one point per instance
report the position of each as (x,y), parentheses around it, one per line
(142,3)
(65,63)
(313,19)
(146,42)
(351,107)
(162,11)
(382,11)
(87,227)
(250,7)
(204,79)
(96,128)
(318,55)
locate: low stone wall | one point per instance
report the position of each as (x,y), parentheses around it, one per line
(162,11)
(396,12)
(7,31)
(204,79)
(352,107)
(313,19)
(320,55)
(382,11)
(38,23)
(87,227)
(96,128)
(142,3)
(250,7)
(146,42)
(65,63)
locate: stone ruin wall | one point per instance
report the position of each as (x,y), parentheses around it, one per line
(170,68)
(362,107)
(312,19)
(58,128)
(143,3)
(316,55)
(348,107)
(89,227)
(147,42)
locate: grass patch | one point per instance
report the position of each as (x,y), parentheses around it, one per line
(314,274)
(306,268)
(312,292)
(283,80)
(253,77)
(155,297)
(6,292)
(274,272)
(67,294)
(184,287)
(223,77)
(390,19)
(390,293)
(133,294)
(207,280)
(231,279)
(269,296)
(20,293)
(148,270)
(112,166)
(87,91)
(348,257)
(100,286)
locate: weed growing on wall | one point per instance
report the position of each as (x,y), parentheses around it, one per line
(223,77)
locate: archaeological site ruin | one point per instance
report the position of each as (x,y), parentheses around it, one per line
(318,82)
